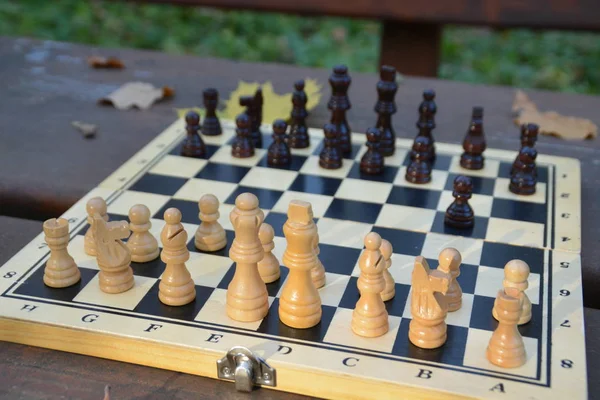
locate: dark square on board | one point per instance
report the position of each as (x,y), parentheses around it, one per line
(159,184)
(353,211)
(422,198)
(151,304)
(189,211)
(150,269)
(482,317)
(478,231)
(266,198)
(222,172)
(34,286)
(480,185)
(498,254)
(338,259)
(519,210)
(505,167)
(296,163)
(315,184)
(403,242)
(387,176)
(271,325)
(451,352)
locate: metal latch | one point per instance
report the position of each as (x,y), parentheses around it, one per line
(246,369)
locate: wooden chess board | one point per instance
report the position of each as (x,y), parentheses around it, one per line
(327,360)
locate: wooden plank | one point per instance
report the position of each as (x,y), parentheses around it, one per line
(557,14)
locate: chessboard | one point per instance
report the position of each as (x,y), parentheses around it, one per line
(327,360)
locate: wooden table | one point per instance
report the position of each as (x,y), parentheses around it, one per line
(46,166)
(35,373)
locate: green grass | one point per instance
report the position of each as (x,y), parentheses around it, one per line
(550,60)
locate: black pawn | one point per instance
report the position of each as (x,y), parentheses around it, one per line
(524,178)
(474,143)
(419,169)
(372,161)
(193,146)
(385,108)
(339,103)
(460,214)
(278,153)
(211,125)
(529,134)
(242,144)
(299,138)
(331,155)
(426,122)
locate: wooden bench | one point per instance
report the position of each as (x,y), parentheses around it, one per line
(411,35)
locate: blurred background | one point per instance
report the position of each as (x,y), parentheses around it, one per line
(560,61)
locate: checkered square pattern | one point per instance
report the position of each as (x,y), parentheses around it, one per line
(347,205)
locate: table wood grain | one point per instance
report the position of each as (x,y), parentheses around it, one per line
(46,166)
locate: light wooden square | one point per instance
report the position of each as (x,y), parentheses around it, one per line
(223,156)
(319,202)
(475,354)
(128,300)
(395,160)
(438,180)
(489,282)
(335,285)
(194,189)
(311,166)
(342,232)
(480,203)
(77,251)
(470,249)
(362,190)
(519,233)
(183,167)
(406,218)
(490,168)
(269,178)
(340,332)
(207,269)
(129,198)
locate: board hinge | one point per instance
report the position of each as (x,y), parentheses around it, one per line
(246,369)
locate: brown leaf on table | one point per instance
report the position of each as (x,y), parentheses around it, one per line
(137,94)
(105,62)
(87,130)
(550,122)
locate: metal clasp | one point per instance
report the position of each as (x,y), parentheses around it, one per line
(246,369)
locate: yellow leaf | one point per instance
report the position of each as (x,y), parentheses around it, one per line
(313,92)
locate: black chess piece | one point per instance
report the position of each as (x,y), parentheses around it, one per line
(242,145)
(524,177)
(253,104)
(193,146)
(426,122)
(278,153)
(299,138)
(331,155)
(372,161)
(529,134)
(339,103)
(385,108)
(419,169)
(474,143)
(211,125)
(460,214)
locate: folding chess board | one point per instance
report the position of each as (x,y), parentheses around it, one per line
(327,360)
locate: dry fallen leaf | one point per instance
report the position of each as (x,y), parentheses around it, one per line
(107,392)
(550,122)
(105,62)
(139,94)
(87,130)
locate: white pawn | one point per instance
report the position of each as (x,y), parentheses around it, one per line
(370,318)
(450,260)
(386,250)
(95,205)
(516,273)
(268,267)
(210,235)
(143,245)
